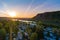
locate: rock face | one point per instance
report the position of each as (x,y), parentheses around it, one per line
(48,16)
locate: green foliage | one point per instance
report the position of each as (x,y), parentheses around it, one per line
(6,25)
(34,36)
(1,25)
(2,33)
(28,30)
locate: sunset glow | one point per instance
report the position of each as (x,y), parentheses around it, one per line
(27,8)
(12,14)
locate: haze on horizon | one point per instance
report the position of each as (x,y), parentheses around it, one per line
(28,8)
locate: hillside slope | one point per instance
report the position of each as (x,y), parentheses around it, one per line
(48,17)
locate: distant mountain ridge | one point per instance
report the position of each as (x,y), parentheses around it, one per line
(48,16)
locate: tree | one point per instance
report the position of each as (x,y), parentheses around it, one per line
(10,27)
(2,33)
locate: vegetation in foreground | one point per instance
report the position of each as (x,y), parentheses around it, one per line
(34,33)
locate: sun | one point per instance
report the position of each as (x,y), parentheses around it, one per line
(12,14)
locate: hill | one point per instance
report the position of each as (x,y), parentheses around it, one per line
(48,17)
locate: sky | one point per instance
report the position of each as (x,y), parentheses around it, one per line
(28,8)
